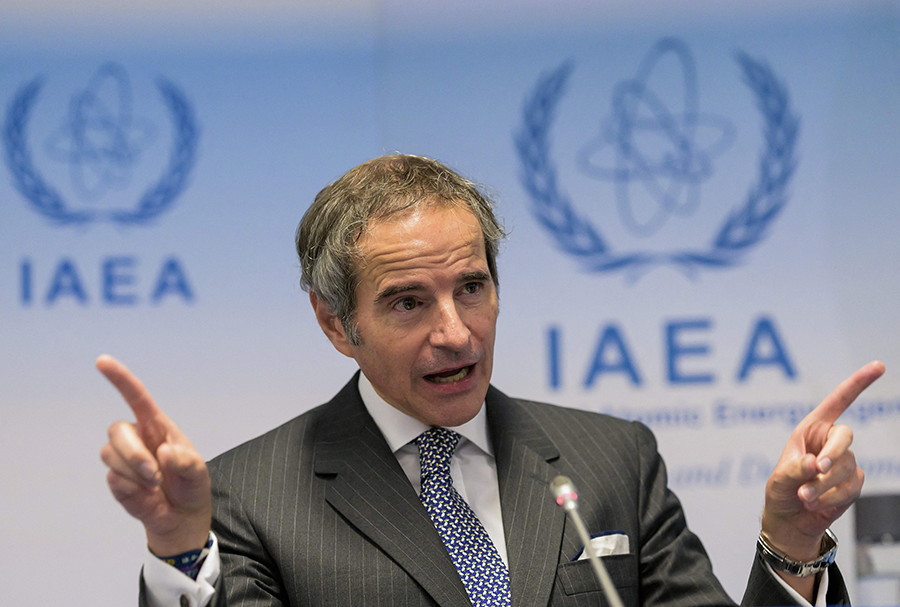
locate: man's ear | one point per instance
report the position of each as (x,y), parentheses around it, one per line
(331,325)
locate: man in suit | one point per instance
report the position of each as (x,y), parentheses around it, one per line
(398,256)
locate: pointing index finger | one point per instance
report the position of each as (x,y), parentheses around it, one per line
(130,387)
(843,396)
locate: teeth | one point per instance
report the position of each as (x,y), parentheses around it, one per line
(452,378)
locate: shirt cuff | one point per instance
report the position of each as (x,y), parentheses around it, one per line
(820,595)
(166,585)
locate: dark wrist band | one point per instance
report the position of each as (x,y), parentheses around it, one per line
(189,562)
(781,562)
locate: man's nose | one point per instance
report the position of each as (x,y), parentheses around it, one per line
(449,330)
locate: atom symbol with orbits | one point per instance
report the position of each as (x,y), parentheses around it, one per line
(101,139)
(660,149)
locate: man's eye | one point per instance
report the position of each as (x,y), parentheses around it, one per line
(406,304)
(471,288)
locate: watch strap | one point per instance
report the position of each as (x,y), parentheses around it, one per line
(781,562)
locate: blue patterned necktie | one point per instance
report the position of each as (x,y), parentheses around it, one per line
(480,567)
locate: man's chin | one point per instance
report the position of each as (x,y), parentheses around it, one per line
(455,417)
(450,410)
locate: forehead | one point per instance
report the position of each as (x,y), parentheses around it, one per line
(421,244)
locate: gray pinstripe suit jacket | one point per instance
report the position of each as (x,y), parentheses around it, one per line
(319,512)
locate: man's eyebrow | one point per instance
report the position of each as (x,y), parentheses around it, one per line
(396,290)
(475,276)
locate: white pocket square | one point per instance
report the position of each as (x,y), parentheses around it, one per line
(608,544)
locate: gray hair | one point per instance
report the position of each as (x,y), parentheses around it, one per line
(329,232)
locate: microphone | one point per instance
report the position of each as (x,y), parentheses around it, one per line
(564,491)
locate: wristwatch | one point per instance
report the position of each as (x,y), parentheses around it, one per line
(780,562)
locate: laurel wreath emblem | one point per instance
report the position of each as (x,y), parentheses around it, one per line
(47,201)
(745,227)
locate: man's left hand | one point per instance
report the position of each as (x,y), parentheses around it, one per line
(816,478)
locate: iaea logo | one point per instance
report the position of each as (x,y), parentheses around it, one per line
(667,171)
(101,143)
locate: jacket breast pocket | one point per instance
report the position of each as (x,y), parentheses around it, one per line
(577,576)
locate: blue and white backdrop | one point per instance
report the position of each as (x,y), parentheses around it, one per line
(702,206)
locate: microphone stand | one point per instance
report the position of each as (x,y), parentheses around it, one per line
(564,491)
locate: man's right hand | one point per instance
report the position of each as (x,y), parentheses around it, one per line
(154,470)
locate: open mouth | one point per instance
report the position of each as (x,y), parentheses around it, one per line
(448,377)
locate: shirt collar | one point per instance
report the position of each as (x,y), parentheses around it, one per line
(400,429)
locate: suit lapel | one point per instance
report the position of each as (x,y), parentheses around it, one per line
(368,487)
(532,522)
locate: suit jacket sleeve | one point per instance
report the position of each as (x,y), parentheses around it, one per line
(249,574)
(764,591)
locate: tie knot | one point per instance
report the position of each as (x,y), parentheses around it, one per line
(436,447)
